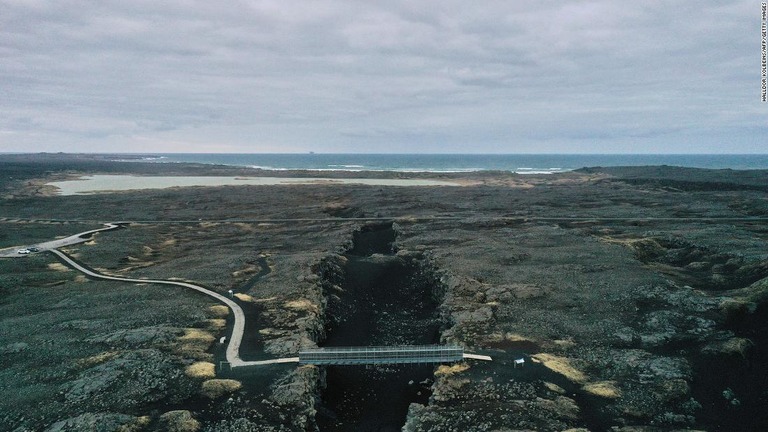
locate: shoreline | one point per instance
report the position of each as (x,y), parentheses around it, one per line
(36,175)
(429,164)
(95,184)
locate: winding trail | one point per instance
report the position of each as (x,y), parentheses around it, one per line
(66,241)
(77,238)
(233,348)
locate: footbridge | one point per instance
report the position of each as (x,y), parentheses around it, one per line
(386,355)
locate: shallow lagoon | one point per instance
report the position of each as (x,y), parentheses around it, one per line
(111,183)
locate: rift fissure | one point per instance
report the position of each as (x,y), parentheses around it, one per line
(377,295)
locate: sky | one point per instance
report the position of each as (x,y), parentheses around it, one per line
(427,76)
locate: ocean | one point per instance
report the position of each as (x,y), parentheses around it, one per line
(520,163)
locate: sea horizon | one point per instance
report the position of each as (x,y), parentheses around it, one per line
(453,162)
(531,163)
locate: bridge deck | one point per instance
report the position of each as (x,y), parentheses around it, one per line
(382,355)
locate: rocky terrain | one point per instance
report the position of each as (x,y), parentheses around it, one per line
(637,298)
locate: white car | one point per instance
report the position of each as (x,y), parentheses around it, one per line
(23,251)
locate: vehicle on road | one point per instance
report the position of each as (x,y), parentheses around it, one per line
(33,249)
(23,251)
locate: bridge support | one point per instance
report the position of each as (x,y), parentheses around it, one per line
(225,366)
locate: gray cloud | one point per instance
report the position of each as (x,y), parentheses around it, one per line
(395,76)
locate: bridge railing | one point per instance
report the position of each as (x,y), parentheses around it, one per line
(382,355)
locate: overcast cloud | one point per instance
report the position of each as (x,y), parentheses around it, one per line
(381,76)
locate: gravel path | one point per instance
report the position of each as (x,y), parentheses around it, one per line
(54,244)
(233,348)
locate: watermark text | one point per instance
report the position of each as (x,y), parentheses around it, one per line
(763,52)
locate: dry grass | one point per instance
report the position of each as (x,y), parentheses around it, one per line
(265,300)
(251,269)
(554,387)
(735,307)
(565,343)
(756,293)
(201,370)
(738,346)
(445,370)
(606,389)
(273,332)
(514,337)
(244,297)
(644,248)
(168,243)
(195,334)
(215,325)
(561,365)
(218,311)
(97,359)
(494,338)
(56,266)
(105,271)
(195,344)
(302,305)
(180,421)
(247,227)
(732,347)
(137,264)
(562,406)
(407,219)
(216,388)
(135,426)
(500,337)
